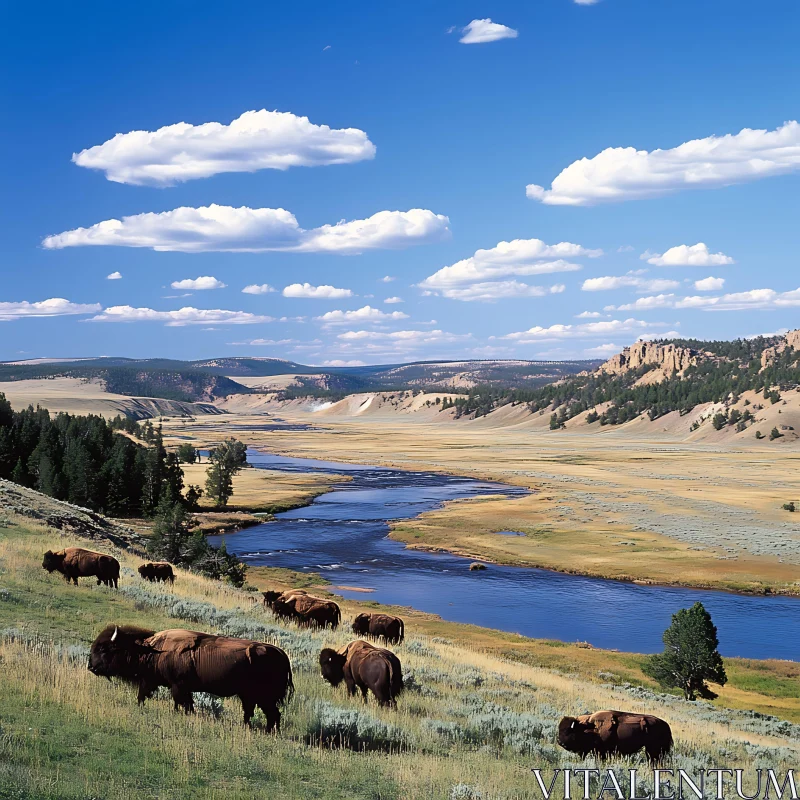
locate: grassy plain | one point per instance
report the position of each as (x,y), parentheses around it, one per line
(479,711)
(622,504)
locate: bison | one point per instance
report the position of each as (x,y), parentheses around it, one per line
(75,562)
(366,667)
(188,661)
(157,571)
(607,733)
(382,626)
(306,610)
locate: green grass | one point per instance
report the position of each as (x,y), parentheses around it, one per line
(468,717)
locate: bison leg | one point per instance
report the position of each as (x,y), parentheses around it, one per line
(272,714)
(182,699)
(248,707)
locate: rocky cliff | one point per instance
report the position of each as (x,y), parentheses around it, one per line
(666,357)
(792,339)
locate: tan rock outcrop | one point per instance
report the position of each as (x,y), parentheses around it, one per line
(667,357)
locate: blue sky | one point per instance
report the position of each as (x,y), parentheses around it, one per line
(457,147)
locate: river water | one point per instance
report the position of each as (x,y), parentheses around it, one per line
(344,536)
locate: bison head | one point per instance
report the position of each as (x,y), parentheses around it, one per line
(331,665)
(361,624)
(118,652)
(53,561)
(577,735)
(270,598)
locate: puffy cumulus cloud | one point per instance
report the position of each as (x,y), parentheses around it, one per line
(198,284)
(258,288)
(624,173)
(754,299)
(394,300)
(491,291)
(480,31)
(586,2)
(602,350)
(180,317)
(364,314)
(404,338)
(388,278)
(588,315)
(256,140)
(217,228)
(631,280)
(338,362)
(684,255)
(265,343)
(585,330)
(114,276)
(519,257)
(306,290)
(709,284)
(54,307)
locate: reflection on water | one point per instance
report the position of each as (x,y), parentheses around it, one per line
(343,534)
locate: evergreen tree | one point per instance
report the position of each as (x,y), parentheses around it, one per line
(690,657)
(225,461)
(187,453)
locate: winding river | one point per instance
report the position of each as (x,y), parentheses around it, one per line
(343,535)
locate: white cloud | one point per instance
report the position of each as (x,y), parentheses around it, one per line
(364,314)
(393,300)
(624,173)
(754,299)
(480,31)
(306,290)
(180,317)
(631,280)
(264,342)
(198,284)
(337,362)
(685,255)
(258,288)
(54,307)
(602,350)
(584,331)
(388,278)
(256,140)
(217,228)
(498,290)
(709,284)
(405,338)
(588,315)
(625,248)
(586,2)
(114,276)
(516,258)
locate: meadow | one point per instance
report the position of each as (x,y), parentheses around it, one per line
(479,711)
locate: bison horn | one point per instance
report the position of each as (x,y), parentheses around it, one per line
(116,631)
(574,723)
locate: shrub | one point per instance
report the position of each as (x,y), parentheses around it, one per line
(461,791)
(759,435)
(774,434)
(352,728)
(786,507)
(500,726)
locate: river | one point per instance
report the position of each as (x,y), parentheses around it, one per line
(344,536)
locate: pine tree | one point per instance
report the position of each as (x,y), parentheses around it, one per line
(690,656)
(225,461)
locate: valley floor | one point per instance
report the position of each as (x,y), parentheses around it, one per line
(616,505)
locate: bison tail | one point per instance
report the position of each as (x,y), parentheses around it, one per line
(289,692)
(402,632)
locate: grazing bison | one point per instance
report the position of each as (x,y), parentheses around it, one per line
(363,666)
(607,733)
(382,626)
(157,571)
(75,562)
(188,661)
(306,610)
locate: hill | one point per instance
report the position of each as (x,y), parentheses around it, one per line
(479,710)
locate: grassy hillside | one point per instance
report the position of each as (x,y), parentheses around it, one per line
(471,723)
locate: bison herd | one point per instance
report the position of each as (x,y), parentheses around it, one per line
(260,674)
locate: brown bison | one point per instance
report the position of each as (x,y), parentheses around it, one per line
(382,626)
(188,661)
(306,610)
(75,562)
(363,666)
(157,571)
(607,733)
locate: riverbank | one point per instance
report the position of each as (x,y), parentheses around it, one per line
(613,506)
